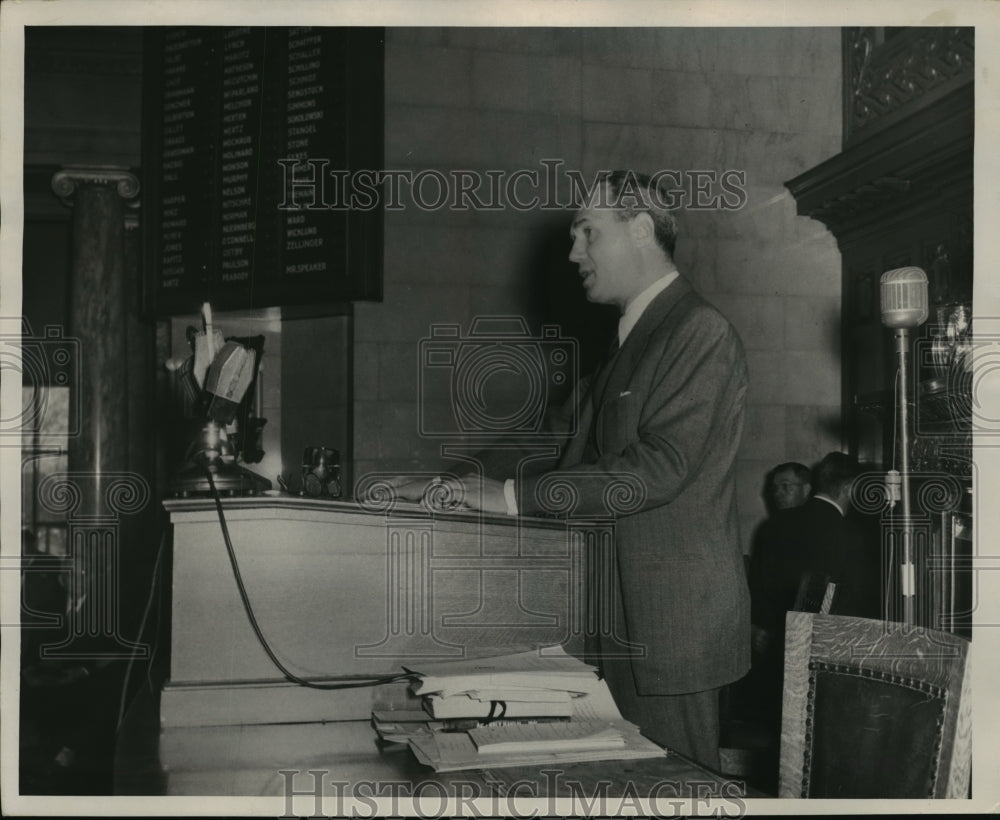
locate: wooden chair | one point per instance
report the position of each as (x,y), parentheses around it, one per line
(815,594)
(749,749)
(873,709)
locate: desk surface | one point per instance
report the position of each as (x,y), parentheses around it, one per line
(248,760)
(274,504)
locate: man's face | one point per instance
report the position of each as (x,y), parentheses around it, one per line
(605,251)
(788,490)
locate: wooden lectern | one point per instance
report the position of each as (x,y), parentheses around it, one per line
(339,589)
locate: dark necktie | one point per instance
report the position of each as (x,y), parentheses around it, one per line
(598,386)
(607,365)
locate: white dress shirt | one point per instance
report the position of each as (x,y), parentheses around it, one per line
(829,500)
(634,309)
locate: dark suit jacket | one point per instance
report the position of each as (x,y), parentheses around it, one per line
(815,540)
(667,415)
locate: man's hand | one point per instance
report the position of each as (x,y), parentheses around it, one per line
(450,492)
(470,492)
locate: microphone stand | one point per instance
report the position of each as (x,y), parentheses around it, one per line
(907,574)
(216,455)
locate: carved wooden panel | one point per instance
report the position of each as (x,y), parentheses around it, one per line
(901,193)
(891,71)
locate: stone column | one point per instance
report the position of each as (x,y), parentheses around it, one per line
(99,454)
(97,319)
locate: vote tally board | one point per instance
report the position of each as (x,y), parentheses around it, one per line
(248,136)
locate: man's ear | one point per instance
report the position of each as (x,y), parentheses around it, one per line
(641,229)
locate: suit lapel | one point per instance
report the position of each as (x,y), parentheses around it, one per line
(619,374)
(616,372)
(600,381)
(576,447)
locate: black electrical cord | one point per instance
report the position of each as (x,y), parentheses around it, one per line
(342,682)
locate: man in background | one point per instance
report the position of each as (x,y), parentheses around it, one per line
(787,485)
(814,544)
(800,552)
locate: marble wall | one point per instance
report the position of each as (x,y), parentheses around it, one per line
(762,101)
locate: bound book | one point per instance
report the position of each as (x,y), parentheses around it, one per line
(541,707)
(550,668)
(454,751)
(519,705)
(542,738)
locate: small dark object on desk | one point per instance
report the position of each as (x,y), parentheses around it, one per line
(320,474)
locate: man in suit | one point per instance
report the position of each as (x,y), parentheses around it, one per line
(813,544)
(788,485)
(665,410)
(797,553)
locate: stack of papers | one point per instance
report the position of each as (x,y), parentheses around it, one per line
(500,703)
(398,726)
(545,737)
(525,685)
(513,710)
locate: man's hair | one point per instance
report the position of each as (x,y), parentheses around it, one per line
(834,472)
(631,194)
(800,471)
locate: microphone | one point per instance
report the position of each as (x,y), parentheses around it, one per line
(904,306)
(904,297)
(228,380)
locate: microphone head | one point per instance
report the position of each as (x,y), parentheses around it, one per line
(904,297)
(228,380)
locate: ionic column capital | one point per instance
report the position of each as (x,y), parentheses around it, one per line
(66,182)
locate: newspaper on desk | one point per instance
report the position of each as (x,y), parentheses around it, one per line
(538,730)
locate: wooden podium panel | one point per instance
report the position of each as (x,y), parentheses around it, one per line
(342,590)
